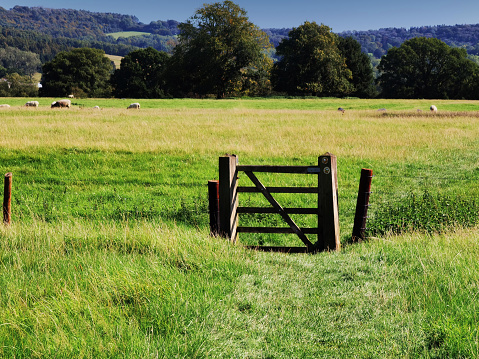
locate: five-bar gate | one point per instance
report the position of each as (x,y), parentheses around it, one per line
(327,230)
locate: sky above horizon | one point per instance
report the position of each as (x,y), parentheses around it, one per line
(342,16)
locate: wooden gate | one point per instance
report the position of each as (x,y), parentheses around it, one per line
(327,231)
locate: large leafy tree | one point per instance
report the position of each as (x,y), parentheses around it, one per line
(359,64)
(218,50)
(427,68)
(140,74)
(83,72)
(311,63)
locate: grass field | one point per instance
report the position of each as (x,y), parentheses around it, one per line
(116,60)
(127,34)
(109,255)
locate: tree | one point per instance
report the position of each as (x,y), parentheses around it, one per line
(360,66)
(427,68)
(84,71)
(218,48)
(17,61)
(16,85)
(311,63)
(140,74)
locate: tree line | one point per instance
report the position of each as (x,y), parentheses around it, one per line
(220,53)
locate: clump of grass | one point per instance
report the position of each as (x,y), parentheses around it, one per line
(427,212)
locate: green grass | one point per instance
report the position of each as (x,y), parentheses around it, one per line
(109,255)
(409,107)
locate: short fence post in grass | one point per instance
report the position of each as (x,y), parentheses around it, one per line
(328,213)
(214,205)
(7,199)
(362,204)
(228,196)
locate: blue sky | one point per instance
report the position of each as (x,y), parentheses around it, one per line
(340,16)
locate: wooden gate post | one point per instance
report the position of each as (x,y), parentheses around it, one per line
(328,217)
(228,196)
(214,206)
(362,205)
(7,199)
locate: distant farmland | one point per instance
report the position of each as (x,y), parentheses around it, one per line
(116,59)
(127,34)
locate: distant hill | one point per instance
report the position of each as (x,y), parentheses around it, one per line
(46,31)
(59,27)
(79,24)
(47,46)
(378,42)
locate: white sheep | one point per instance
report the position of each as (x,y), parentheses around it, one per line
(134,105)
(433,108)
(32,104)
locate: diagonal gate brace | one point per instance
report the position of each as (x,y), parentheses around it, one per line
(279,209)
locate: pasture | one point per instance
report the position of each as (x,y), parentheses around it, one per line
(109,254)
(127,34)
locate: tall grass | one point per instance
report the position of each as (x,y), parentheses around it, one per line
(424,212)
(109,255)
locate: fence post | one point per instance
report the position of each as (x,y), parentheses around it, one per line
(328,214)
(362,205)
(7,199)
(214,205)
(228,196)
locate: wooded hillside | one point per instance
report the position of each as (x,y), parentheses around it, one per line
(46,31)
(378,42)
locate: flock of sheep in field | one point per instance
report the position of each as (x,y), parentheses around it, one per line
(65,103)
(135,105)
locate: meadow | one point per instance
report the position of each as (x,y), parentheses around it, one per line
(109,253)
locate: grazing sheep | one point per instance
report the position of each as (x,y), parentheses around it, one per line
(341,109)
(382,110)
(61,103)
(71,96)
(433,108)
(134,105)
(4,106)
(96,107)
(419,110)
(32,104)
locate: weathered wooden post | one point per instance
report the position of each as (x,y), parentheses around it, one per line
(328,214)
(7,199)
(228,196)
(214,206)
(362,205)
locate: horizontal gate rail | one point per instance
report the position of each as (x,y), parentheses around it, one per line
(280,249)
(244,189)
(280,169)
(273,211)
(284,230)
